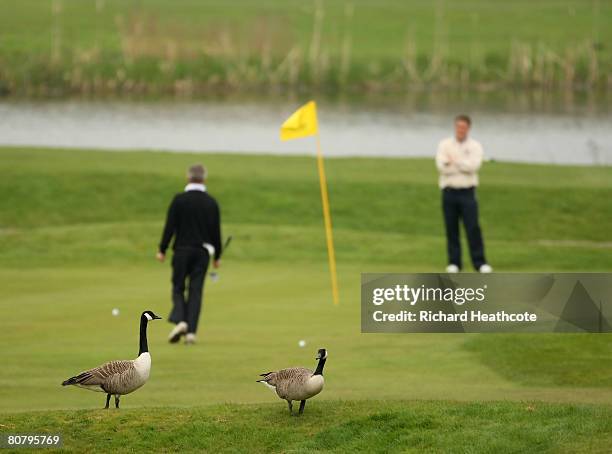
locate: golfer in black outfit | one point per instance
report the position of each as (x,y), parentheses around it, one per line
(194,221)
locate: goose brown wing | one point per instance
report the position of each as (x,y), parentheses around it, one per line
(100,375)
(288,380)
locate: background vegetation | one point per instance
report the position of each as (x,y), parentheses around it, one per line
(57,47)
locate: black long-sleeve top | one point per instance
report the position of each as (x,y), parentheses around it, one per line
(193,219)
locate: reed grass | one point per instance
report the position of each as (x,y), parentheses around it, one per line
(155,55)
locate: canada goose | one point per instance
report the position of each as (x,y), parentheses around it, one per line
(119,377)
(297,383)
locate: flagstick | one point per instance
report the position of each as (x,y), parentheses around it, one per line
(328,225)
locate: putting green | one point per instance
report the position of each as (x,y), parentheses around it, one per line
(78,236)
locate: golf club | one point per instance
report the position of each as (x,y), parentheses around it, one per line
(214,275)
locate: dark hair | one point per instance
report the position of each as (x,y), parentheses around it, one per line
(465,118)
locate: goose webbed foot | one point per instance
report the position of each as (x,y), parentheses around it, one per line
(290,407)
(116,401)
(108,396)
(302,405)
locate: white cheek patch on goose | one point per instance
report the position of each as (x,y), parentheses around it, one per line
(148,316)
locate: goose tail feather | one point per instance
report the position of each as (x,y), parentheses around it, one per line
(70,381)
(76,379)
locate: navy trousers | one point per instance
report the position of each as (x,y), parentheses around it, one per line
(461,204)
(188,264)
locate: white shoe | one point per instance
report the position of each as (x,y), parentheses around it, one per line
(177,332)
(190,338)
(452,268)
(485,268)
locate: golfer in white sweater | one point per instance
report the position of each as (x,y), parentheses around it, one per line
(458,160)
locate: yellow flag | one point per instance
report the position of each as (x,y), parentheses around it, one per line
(302,123)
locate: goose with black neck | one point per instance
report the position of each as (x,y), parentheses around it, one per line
(297,383)
(117,378)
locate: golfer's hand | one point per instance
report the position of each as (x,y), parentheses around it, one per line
(160,256)
(216,263)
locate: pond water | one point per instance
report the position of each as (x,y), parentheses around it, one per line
(512,130)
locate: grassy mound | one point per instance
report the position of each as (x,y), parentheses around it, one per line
(335,426)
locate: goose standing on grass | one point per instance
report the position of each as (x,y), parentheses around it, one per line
(119,377)
(297,383)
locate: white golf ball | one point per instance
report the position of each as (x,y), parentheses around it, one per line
(115,312)
(302,343)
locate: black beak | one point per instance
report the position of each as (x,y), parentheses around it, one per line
(157,317)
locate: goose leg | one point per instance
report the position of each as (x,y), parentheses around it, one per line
(290,407)
(116,401)
(107,401)
(302,405)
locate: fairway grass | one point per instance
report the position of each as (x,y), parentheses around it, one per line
(332,426)
(78,235)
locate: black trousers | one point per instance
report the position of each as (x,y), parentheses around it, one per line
(188,264)
(462,204)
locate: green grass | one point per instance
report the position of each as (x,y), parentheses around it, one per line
(569,360)
(198,46)
(333,426)
(78,232)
